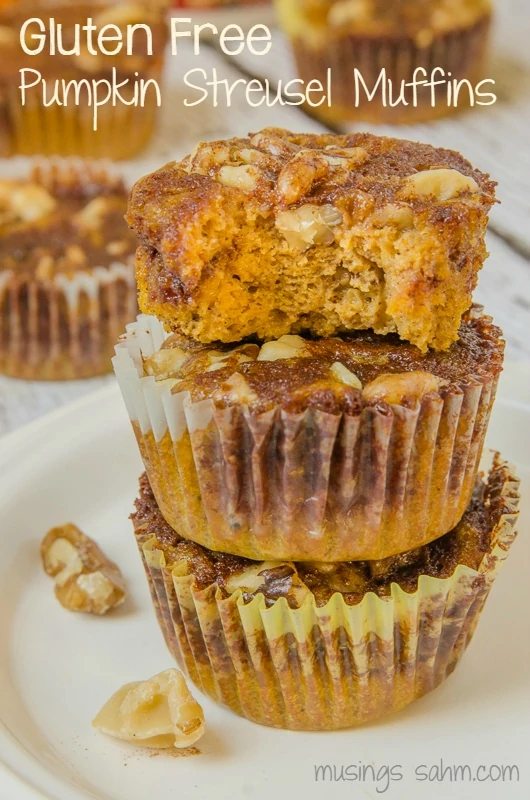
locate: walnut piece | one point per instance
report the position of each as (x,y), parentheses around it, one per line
(308,225)
(85,579)
(392,214)
(444,184)
(299,174)
(235,390)
(165,363)
(287,346)
(243,177)
(344,375)
(159,712)
(399,386)
(26,202)
(273,579)
(91,216)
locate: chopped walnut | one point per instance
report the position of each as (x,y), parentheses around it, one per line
(348,11)
(400,386)
(273,579)
(443,184)
(45,268)
(27,202)
(399,216)
(85,579)
(287,346)
(165,363)
(308,225)
(344,375)
(75,256)
(299,174)
(159,712)
(243,177)
(91,215)
(117,248)
(345,577)
(235,390)
(242,354)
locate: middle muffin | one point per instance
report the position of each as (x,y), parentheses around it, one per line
(339,449)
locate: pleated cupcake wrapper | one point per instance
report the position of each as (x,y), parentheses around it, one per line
(460,52)
(122,130)
(65,326)
(309,486)
(329,667)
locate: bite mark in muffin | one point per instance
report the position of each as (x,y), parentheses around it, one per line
(285,233)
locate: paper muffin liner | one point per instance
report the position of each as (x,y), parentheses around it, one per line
(335,666)
(65,326)
(33,129)
(311,486)
(461,53)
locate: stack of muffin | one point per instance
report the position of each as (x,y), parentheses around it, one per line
(310,395)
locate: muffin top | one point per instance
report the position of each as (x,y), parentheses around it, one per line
(280,233)
(62,220)
(336,375)
(466,544)
(421,19)
(279,171)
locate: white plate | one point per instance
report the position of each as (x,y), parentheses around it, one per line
(57,668)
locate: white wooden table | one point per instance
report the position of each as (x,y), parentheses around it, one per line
(496,139)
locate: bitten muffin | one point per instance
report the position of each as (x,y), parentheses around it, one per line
(392,39)
(67,284)
(349,448)
(123,129)
(322,646)
(285,233)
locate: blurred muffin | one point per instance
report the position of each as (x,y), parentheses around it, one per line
(122,130)
(398,36)
(67,283)
(323,646)
(349,448)
(285,233)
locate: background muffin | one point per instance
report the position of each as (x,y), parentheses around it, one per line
(66,271)
(123,130)
(315,647)
(398,36)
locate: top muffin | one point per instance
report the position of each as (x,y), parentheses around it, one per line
(286,233)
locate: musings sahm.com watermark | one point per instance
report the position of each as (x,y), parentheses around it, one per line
(383,776)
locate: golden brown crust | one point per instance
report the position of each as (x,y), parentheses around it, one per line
(304,373)
(285,232)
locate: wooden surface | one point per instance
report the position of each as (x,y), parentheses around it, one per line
(496,139)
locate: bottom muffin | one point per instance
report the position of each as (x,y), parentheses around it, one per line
(314,646)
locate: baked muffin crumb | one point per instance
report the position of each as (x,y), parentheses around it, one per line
(283,233)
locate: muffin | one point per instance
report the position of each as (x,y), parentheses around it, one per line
(347,448)
(67,285)
(123,128)
(320,646)
(440,39)
(285,233)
